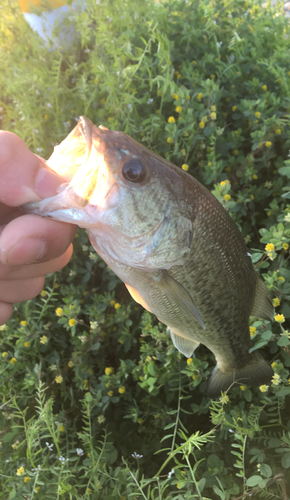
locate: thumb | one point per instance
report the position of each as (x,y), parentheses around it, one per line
(24,177)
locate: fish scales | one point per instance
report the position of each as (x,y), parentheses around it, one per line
(170,241)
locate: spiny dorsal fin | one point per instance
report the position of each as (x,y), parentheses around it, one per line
(262,307)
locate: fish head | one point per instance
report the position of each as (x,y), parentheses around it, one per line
(130,200)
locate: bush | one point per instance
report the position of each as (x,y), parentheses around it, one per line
(96,402)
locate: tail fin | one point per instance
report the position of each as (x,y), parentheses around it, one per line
(256,372)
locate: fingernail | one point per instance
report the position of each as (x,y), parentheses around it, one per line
(26,251)
(46,182)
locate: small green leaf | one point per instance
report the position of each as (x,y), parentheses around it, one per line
(253,480)
(266,470)
(283,341)
(286,460)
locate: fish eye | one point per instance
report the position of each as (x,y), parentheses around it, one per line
(134,171)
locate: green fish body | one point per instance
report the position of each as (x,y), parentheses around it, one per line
(170,241)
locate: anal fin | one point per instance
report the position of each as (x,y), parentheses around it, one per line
(184,345)
(262,307)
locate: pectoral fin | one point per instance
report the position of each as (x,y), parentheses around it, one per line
(184,345)
(178,294)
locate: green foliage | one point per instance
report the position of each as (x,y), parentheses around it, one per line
(96,401)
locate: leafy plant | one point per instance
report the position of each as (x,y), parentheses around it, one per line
(96,401)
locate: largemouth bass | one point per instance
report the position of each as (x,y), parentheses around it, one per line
(170,241)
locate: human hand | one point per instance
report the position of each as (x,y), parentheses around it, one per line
(30,246)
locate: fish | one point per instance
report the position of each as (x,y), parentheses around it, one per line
(172,243)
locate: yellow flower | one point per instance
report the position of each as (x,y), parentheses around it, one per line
(264,388)
(13,361)
(43,339)
(27,479)
(37,488)
(285,246)
(264,87)
(281,279)
(23,323)
(243,387)
(43,293)
(280,318)
(70,363)
(268,144)
(110,393)
(194,62)
(235,152)
(189,361)
(178,109)
(185,167)
(89,491)
(4,354)
(175,96)
(59,311)
(109,370)
(213,107)
(276,379)
(234,108)
(252,197)
(257,114)
(227,197)
(213,115)
(72,322)
(117,306)
(274,365)
(85,384)
(195,376)
(122,390)
(212,77)
(201,124)
(140,420)
(169,139)
(278,131)
(252,331)
(27,344)
(171,119)
(20,471)
(58,379)
(199,96)
(46,117)
(95,81)
(224,399)
(270,247)
(209,164)
(62,428)
(254,177)
(276,302)
(187,97)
